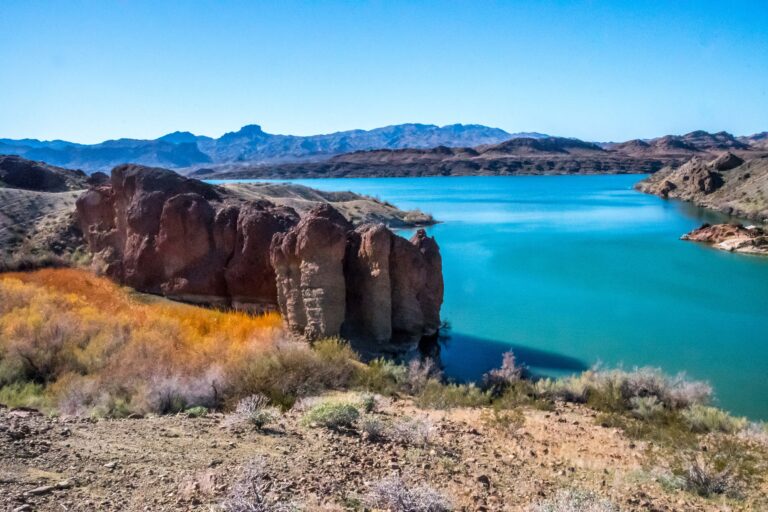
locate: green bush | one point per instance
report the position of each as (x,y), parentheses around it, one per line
(383,376)
(332,415)
(293,371)
(437,395)
(703,419)
(256,411)
(197,412)
(23,394)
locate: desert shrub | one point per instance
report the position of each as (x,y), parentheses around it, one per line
(392,494)
(383,376)
(23,394)
(568,389)
(645,407)
(497,381)
(437,395)
(250,491)
(420,372)
(368,402)
(255,410)
(507,421)
(568,500)
(703,479)
(410,431)
(197,412)
(373,428)
(332,415)
(94,345)
(614,390)
(704,419)
(293,370)
(666,429)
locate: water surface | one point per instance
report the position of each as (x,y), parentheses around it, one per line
(569,271)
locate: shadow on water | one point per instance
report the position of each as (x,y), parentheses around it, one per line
(467,358)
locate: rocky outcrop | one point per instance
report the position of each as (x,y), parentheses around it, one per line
(159,232)
(365,283)
(731,237)
(728,183)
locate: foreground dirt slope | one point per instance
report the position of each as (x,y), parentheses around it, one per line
(181,463)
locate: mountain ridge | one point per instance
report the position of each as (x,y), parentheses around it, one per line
(248,144)
(251,147)
(548,155)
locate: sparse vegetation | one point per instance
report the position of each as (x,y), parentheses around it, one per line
(332,415)
(437,395)
(569,500)
(392,494)
(255,410)
(703,419)
(249,494)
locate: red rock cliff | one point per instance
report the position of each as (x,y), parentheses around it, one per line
(159,232)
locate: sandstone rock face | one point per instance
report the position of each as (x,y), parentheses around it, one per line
(309,267)
(366,284)
(159,232)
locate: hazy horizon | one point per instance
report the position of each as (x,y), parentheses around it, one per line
(87,72)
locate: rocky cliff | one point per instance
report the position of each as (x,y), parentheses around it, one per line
(728,183)
(159,232)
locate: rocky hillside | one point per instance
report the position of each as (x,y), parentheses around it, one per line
(526,155)
(730,184)
(20,173)
(249,144)
(161,233)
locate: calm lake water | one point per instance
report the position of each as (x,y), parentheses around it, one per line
(568,271)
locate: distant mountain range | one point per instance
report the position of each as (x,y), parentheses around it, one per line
(250,144)
(517,155)
(405,149)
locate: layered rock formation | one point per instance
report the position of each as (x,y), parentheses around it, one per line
(159,232)
(729,183)
(731,237)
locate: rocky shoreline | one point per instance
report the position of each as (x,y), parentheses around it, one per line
(729,184)
(731,237)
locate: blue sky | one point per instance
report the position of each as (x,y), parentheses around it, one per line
(598,70)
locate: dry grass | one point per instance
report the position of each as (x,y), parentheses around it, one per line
(95,345)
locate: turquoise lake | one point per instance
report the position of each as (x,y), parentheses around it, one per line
(569,271)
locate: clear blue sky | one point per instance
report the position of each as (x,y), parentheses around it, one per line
(598,70)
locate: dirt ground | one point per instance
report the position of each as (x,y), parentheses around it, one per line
(185,463)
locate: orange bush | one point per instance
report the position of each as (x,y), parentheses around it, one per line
(93,344)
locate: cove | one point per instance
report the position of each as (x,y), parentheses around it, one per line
(569,271)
